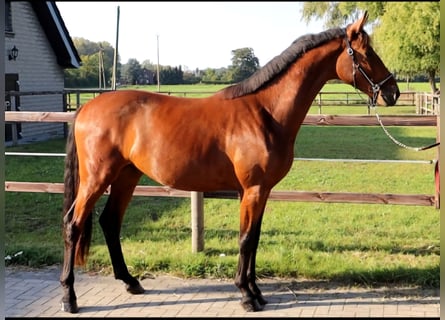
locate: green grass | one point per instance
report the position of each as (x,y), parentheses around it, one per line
(354,243)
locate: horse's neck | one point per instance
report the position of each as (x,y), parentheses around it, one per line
(292,95)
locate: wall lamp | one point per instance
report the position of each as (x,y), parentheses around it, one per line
(13,53)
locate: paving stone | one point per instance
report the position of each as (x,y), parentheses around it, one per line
(31,293)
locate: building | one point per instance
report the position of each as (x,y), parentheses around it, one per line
(38,49)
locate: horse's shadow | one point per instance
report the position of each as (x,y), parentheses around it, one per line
(280,296)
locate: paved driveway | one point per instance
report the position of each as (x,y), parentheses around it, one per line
(37,293)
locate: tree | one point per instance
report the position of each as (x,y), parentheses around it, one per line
(169,75)
(408,39)
(244,64)
(131,71)
(341,13)
(190,77)
(405,34)
(88,74)
(209,75)
(147,64)
(221,75)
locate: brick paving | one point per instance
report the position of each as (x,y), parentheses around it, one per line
(37,293)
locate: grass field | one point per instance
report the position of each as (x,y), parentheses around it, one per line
(354,243)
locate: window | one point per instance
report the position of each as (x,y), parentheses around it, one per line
(8,16)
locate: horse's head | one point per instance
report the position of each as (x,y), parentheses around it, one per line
(361,67)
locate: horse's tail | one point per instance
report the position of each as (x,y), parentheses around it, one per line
(71,184)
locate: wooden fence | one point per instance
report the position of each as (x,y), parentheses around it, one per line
(427,103)
(197,197)
(72,100)
(428,200)
(407,98)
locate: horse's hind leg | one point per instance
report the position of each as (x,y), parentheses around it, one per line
(111,220)
(77,230)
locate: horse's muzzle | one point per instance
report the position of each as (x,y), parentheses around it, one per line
(389,96)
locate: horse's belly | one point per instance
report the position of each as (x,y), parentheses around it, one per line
(199,181)
(190,176)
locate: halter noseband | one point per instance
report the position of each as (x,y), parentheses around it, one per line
(375,86)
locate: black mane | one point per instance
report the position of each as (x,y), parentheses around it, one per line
(281,62)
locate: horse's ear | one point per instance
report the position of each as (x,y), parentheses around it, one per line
(357,26)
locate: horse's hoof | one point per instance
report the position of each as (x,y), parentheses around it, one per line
(261,300)
(70,307)
(135,288)
(251,305)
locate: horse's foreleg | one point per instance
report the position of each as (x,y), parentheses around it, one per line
(251,272)
(251,211)
(111,220)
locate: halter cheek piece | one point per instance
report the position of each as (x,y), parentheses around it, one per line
(375,86)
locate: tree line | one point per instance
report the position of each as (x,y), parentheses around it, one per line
(97,69)
(405,34)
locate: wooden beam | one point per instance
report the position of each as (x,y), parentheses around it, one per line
(369,120)
(30,116)
(302,196)
(320,119)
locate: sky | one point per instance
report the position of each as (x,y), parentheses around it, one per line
(188,34)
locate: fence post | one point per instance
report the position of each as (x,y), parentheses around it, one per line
(14,132)
(418,107)
(65,109)
(77,100)
(437,169)
(197,204)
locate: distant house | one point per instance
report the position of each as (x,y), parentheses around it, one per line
(38,49)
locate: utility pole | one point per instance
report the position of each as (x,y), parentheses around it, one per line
(113,85)
(102,80)
(157,69)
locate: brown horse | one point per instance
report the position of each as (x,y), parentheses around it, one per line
(241,138)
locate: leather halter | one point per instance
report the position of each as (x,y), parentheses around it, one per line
(375,86)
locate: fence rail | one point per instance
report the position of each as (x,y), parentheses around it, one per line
(324,98)
(197,197)
(407,98)
(73,99)
(311,119)
(298,196)
(356,120)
